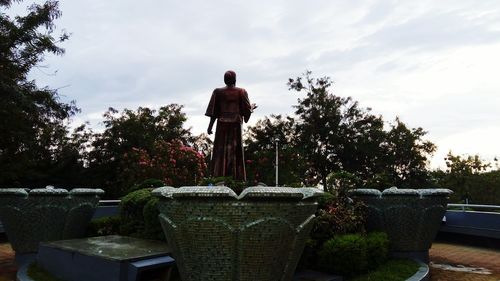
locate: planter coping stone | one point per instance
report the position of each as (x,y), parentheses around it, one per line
(366,192)
(164,191)
(14,191)
(49,191)
(434,192)
(394,191)
(254,192)
(404,191)
(86,191)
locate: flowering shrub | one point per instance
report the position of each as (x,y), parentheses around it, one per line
(172,162)
(337,215)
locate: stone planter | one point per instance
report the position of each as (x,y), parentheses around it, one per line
(216,235)
(39,215)
(410,217)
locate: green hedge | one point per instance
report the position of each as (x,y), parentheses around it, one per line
(377,249)
(353,254)
(139,215)
(104,226)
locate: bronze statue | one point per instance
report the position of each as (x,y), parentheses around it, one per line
(230,106)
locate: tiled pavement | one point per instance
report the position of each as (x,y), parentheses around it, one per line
(439,253)
(442,253)
(7,267)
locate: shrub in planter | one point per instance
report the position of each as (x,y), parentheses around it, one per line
(149,183)
(344,254)
(336,215)
(352,254)
(104,226)
(139,215)
(152,225)
(377,247)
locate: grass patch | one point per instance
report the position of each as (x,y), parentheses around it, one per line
(37,273)
(392,270)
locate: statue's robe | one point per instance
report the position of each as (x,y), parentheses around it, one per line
(230,105)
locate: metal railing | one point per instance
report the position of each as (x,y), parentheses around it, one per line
(109,202)
(475,206)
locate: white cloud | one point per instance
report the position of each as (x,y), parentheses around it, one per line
(433,63)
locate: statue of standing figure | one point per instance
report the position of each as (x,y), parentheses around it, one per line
(230,106)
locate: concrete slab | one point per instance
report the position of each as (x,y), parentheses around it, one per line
(111,258)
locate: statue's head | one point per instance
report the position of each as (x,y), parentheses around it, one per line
(230,78)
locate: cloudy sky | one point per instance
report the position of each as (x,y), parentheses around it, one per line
(435,64)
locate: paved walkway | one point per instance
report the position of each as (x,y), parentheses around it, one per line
(440,254)
(461,258)
(7,267)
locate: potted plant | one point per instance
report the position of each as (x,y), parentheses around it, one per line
(46,214)
(217,235)
(410,217)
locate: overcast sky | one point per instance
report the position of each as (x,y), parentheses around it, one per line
(435,64)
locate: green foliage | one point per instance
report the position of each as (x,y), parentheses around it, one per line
(334,134)
(152,226)
(104,226)
(393,270)
(139,215)
(469,179)
(325,200)
(148,183)
(377,247)
(35,146)
(260,153)
(339,214)
(406,156)
(352,254)
(345,255)
(37,273)
(129,135)
(336,215)
(172,162)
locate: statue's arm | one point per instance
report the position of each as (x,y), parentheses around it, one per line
(246,108)
(212,112)
(211,125)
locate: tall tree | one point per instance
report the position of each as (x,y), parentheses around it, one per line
(407,155)
(466,175)
(129,130)
(334,132)
(260,152)
(32,119)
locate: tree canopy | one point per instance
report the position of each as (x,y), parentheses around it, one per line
(34,135)
(333,134)
(329,140)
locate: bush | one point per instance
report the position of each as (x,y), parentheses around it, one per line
(104,226)
(152,226)
(353,254)
(139,215)
(377,246)
(172,162)
(344,254)
(336,215)
(149,183)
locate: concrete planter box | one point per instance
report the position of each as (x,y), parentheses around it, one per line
(40,215)
(216,235)
(410,217)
